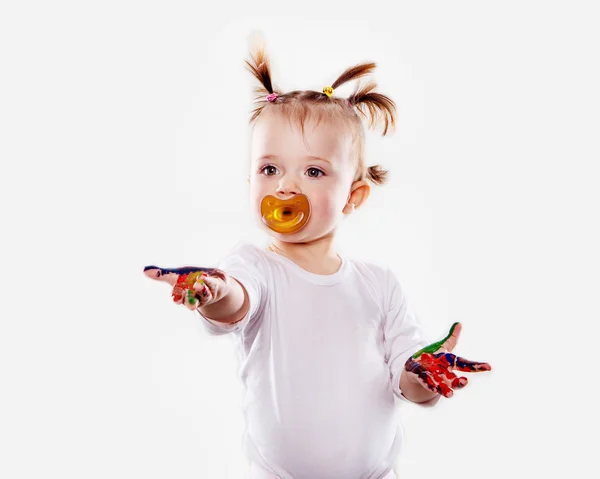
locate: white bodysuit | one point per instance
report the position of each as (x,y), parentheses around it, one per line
(320,360)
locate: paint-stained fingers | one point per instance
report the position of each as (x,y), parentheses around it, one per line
(439,368)
(427,378)
(175,276)
(459,382)
(216,287)
(447,381)
(461,364)
(177,294)
(442,388)
(166,275)
(193,299)
(471,366)
(450,343)
(453,381)
(204,292)
(190,298)
(154,272)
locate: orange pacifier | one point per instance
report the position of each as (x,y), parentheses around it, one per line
(285,216)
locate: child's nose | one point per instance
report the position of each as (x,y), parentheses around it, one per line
(288,189)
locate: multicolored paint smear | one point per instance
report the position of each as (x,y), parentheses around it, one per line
(433,347)
(183,279)
(434,369)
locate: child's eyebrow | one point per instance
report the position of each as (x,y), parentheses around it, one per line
(318,158)
(309,157)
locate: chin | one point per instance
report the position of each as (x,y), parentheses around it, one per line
(302,237)
(297,237)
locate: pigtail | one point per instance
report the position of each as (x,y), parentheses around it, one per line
(259,66)
(376,174)
(354,73)
(377,105)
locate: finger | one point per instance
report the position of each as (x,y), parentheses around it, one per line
(443,388)
(216,287)
(459,382)
(191,299)
(471,366)
(450,341)
(447,343)
(177,294)
(204,286)
(201,283)
(160,274)
(174,276)
(205,290)
(453,381)
(462,364)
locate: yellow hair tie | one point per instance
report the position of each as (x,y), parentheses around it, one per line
(328,90)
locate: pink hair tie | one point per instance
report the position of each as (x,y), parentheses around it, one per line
(272,97)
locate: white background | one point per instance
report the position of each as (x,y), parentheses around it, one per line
(123,136)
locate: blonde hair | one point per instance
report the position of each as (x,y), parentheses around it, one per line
(302,104)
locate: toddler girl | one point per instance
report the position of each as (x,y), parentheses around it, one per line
(325,341)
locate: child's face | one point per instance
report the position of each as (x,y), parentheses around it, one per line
(291,168)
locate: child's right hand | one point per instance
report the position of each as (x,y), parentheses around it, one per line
(193,286)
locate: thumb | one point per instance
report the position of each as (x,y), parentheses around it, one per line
(172,275)
(161,274)
(449,342)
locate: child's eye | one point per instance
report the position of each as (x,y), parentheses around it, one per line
(315,169)
(270,171)
(268,166)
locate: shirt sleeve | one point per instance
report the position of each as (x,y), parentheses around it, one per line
(245,265)
(403,334)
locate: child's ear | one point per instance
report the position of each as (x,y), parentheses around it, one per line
(360,192)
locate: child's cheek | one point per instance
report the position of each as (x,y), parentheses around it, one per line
(323,205)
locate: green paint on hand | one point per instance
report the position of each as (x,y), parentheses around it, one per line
(191,298)
(433,347)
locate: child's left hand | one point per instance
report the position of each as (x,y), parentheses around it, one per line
(431,366)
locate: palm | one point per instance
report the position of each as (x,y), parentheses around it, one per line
(432,366)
